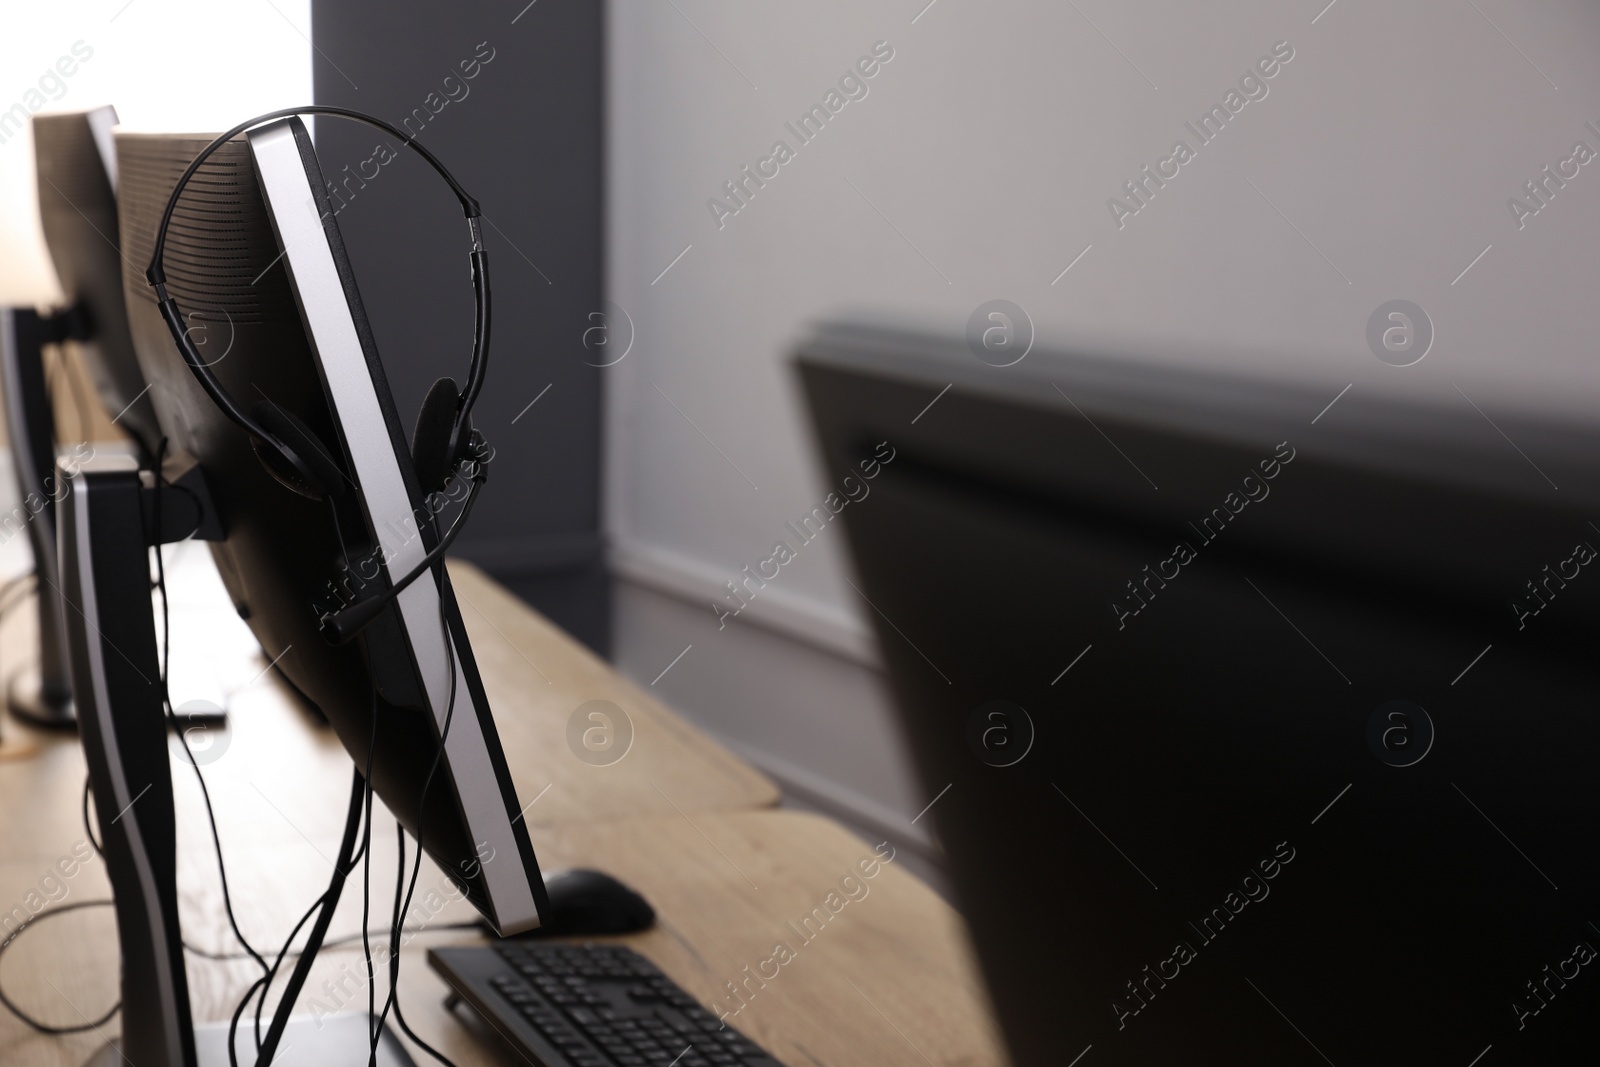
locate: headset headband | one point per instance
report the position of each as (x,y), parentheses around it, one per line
(157,278)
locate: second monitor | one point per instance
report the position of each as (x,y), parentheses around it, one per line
(255,258)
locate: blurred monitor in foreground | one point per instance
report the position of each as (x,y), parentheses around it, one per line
(1268,733)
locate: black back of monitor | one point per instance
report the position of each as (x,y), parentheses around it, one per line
(286,557)
(78,211)
(1182,738)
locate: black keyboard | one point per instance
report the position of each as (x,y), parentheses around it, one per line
(590,1006)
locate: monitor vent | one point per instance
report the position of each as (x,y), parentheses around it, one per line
(221,255)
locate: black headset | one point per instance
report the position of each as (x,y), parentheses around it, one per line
(443,439)
(291,452)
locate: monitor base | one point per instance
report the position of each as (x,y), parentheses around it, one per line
(306,1040)
(28,699)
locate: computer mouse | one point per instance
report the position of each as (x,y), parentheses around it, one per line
(586,902)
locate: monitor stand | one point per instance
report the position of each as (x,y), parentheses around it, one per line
(31,697)
(41,692)
(105,571)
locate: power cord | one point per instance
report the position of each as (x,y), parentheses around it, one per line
(265,980)
(30,1021)
(224,957)
(333,942)
(361,810)
(172,718)
(341,869)
(264,984)
(166,705)
(364,855)
(366,865)
(400,910)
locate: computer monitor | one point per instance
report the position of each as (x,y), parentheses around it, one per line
(285,555)
(1259,719)
(76,178)
(76,165)
(255,258)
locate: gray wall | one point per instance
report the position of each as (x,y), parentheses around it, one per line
(522,134)
(979,166)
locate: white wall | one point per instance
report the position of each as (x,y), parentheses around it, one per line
(1387,147)
(170,64)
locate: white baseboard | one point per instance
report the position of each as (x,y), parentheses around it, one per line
(799,693)
(701,585)
(878,820)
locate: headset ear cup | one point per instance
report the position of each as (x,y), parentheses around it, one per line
(434,441)
(293,454)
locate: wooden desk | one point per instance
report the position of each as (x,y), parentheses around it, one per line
(888,981)
(535,677)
